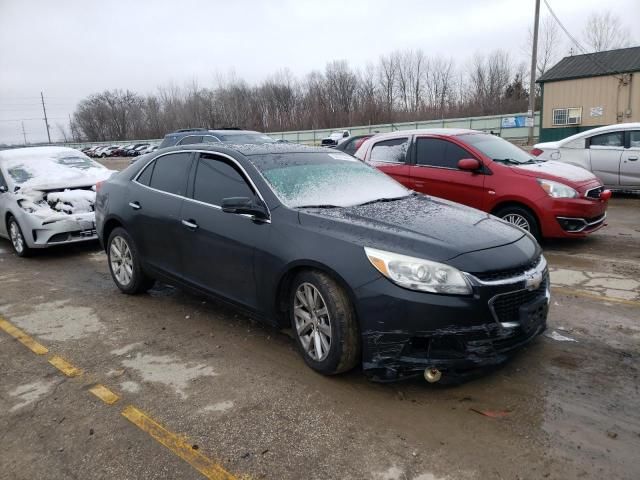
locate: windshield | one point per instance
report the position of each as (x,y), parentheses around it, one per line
(251,138)
(496,148)
(325,180)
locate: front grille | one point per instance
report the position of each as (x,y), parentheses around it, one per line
(504,274)
(594,192)
(507,306)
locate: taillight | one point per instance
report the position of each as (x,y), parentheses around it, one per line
(536,152)
(98,186)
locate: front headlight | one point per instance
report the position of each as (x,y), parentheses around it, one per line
(418,274)
(556,189)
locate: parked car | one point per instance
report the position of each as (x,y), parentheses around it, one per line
(202,135)
(351,144)
(148,149)
(364,270)
(92,151)
(47,197)
(107,151)
(335,138)
(612,153)
(135,149)
(548,199)
(122,151)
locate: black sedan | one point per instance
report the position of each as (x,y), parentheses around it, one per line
(363,270)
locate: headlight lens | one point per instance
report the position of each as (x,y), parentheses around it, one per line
(556,189)
(418,274)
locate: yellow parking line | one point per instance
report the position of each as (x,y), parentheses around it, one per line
(104,394)
(23,338)
(64,366)
(595,296)
(176,444)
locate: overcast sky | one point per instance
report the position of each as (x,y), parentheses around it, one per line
(70,49)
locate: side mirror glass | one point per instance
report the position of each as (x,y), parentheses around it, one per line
(245,206)
(469,164)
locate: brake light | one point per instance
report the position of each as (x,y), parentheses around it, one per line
(99,186)
(536,152)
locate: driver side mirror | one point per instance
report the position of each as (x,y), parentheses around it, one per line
(246,206)
(469,164)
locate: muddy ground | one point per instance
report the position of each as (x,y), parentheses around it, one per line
(567,407)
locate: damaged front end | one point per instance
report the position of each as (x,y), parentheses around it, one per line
(57,216)
(448,338)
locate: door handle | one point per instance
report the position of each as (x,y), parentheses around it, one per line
(191,224)
(632,159)
(135,205)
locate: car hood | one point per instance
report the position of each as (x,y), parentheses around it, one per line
(558,171)
(427,227)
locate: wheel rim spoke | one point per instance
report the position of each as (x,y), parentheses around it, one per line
(121,261)
(312,321)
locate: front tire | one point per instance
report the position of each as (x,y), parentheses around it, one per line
(17,238)
(124,264)
(324,323)
(522,218)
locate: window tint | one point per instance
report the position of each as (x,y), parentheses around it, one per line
(350,147)
(210,139)
(391,151)
(145,176)
(436,152)
(190,139)
(613,139)
(217,179)
(3,183)
(634,139)
(170,173)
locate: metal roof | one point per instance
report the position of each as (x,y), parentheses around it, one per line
(622,60)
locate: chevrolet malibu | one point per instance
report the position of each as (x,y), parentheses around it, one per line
(47,197)
(364,271)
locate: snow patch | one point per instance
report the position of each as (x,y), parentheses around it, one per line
(131,387)
(125,349)
(59,322)
(30,393)
(168,370)
(559,337)
(219,407)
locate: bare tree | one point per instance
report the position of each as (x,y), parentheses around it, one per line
(549,45)
(605,31)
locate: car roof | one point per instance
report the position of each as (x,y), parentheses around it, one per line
(605,129)
(252,149)
(30,152)
(426,131)
(203,131)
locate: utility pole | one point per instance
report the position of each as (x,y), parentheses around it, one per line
(534,64)
(46,122)
(24,134)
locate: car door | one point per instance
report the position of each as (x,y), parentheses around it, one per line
(219,247)
(155,201)
(630,161)
(390,156)
(436,172)
(605,152)
(5,198)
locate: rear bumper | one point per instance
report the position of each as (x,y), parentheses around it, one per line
(405,332)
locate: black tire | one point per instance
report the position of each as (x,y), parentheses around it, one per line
(344,348)
(19,244)
(522,213)
(139,281)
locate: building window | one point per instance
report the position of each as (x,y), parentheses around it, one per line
(567,116)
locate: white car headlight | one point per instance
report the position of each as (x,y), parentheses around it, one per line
(418,274)
(556,189)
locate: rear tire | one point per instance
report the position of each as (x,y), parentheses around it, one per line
(324,323)
(521,217)
(18,241)
(124,263)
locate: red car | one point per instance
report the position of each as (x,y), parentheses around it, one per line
(547,198)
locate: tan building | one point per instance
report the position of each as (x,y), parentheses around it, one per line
(586,91)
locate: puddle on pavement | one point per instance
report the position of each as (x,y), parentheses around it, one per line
(58,321)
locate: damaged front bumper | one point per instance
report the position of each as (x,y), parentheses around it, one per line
(58,229)
(406,332)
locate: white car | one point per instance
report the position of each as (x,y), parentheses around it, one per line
(335,138)
(47,196)
(612,153)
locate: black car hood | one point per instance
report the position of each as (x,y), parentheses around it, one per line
(428,227)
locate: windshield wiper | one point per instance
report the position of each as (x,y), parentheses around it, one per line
(513,162)
(393,199)
(318,206)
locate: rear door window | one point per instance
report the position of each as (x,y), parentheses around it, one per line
(613,139)
(436,152)
(170,173)
(216,179)
(190,139)
(390,151)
